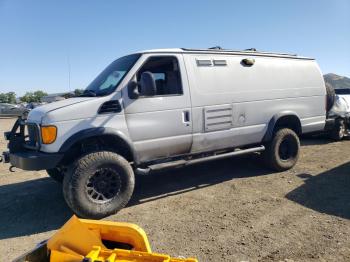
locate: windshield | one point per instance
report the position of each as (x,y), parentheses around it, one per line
(106,82)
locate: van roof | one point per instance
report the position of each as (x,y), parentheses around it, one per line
(218,50)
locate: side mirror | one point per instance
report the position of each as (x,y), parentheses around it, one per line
(133,91)
(147,84)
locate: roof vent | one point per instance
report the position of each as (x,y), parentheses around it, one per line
(215,48)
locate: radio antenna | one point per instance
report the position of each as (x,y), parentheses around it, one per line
(68,63)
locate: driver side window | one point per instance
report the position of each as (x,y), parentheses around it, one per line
(165,70)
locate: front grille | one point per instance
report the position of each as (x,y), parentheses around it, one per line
(32,136)
(23,135)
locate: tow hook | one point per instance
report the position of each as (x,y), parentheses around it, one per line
(5,157)
(11,169)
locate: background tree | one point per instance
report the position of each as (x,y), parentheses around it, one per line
(39,95)
(78,92)
(31,97)
(3,98)
(28,97)
(9,97)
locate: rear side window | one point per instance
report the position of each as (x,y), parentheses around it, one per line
(165,70)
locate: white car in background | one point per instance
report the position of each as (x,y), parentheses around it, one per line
(11,110)
(340,113)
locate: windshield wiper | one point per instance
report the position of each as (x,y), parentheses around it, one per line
(88,92)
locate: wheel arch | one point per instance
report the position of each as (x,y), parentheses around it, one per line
(115,139)
(288,119)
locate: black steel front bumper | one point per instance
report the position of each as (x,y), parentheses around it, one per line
(32,160)
(24,149)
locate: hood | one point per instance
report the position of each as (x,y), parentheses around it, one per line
(39,112)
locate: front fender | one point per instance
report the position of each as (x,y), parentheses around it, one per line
(98,131)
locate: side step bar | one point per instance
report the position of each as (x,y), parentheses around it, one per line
(183,162)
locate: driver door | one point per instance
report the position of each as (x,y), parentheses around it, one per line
(160,126)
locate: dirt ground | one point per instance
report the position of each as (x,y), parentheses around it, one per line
(227,210)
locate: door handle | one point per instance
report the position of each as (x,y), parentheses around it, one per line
(186,117)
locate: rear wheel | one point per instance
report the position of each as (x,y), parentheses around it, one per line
(282,152)
(56,174)
(98,184)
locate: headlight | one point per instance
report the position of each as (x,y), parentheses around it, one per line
(48,134)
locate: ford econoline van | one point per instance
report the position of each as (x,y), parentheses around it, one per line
(163,108)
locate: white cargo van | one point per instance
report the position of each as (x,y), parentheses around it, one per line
(164,108)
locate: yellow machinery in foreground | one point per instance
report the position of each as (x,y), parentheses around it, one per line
(81,240)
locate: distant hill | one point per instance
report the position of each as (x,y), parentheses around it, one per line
(337,81)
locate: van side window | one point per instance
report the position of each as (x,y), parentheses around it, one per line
(165,70)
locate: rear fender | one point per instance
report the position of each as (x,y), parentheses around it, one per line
(272,123)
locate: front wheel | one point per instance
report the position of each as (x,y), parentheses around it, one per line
(282,152)
(98,184)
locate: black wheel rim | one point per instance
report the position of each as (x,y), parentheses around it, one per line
(288,149)
(103,185)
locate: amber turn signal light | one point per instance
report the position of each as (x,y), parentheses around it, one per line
(48,134)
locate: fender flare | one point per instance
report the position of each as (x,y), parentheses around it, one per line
(271,125)
(98,131)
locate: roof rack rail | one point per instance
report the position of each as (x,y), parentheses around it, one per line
(249,50)
(216,48)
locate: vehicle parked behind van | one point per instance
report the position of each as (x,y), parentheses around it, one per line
(11,110)
(159,109)
(338,117)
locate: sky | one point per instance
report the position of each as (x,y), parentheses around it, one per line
(41,40)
